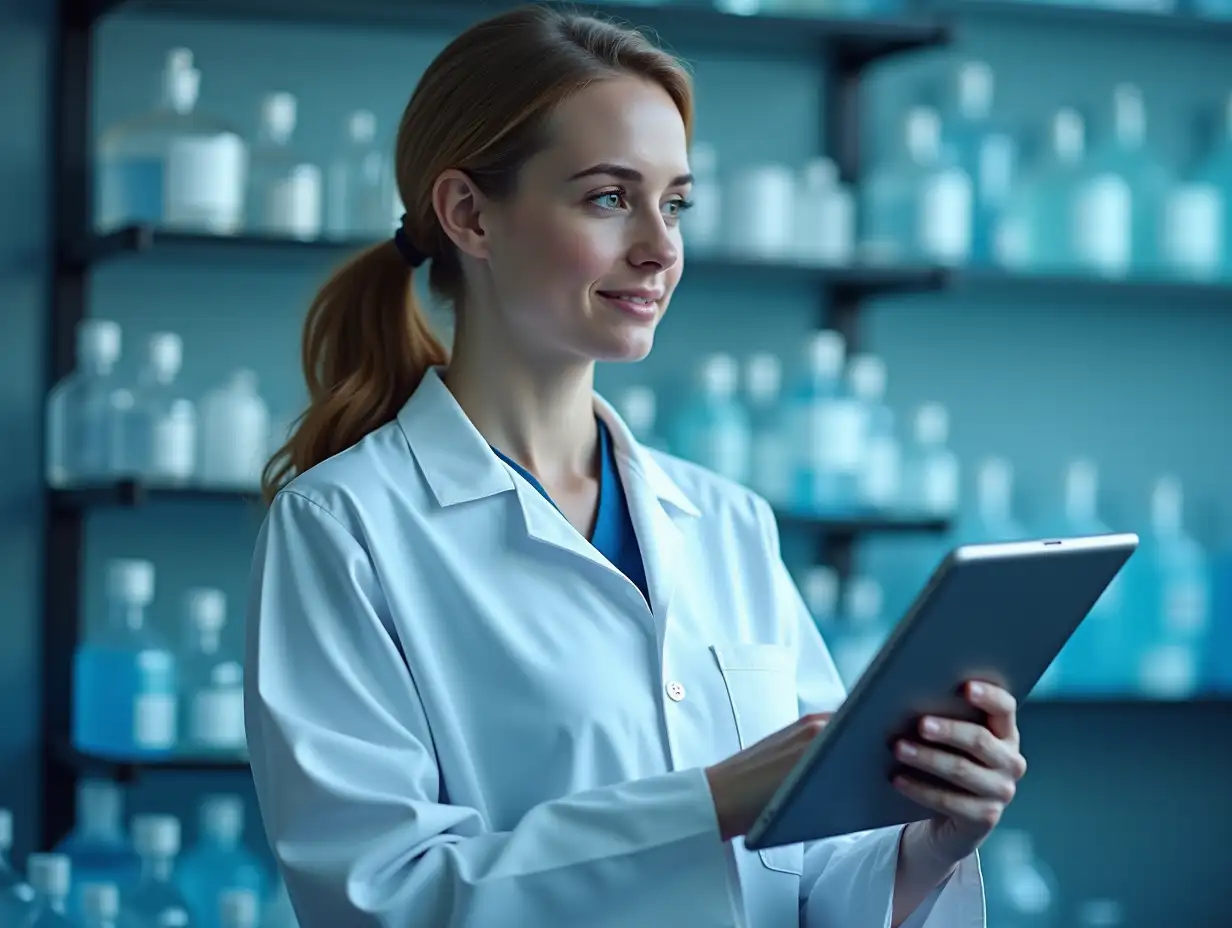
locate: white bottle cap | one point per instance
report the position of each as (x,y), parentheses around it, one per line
(638,407)
(719,376)
(820,589)
(825,351)
(98,341)
(206,609)
(361,127)
(50,874)
(6,831)
(1129,115)
(100,901)
(222,817)
(763,375)
(228,673)
(237,908)
(932,424)
(1167,506)
(1068,136)
(923,134)
(130,581)
(156,835)
(181,81)
(703,159)
(165,354)
(867,376)
(172,918)
(975,84)
(278,112)
(863,601)
(820,174)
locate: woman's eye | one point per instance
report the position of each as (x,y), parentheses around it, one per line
(675,208)
(612,200)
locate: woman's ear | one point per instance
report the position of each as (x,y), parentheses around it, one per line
(460,208)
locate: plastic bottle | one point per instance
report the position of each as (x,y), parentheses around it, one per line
(713,430)
(164,421)
(702,225)
(1170,589)
(124,689)
(100,904)
(234,433)
(211,683)
(917,207)
(360,182)
(932,470)
(86,411)
(826,430)
(820,589)
(16,895)
(824,216)
(284,191)
(219,861)
(97,846)
(155,898)
(759,212)
(864,629)
(239,908)
(880,477)
(50,876)
(638,407)
(994,519)
(769,457)
(173,166)
(1020,891)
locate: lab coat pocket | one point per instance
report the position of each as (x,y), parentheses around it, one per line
(761,684)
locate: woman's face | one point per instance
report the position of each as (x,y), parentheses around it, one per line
(585,255)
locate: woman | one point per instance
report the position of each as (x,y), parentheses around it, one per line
(506,666)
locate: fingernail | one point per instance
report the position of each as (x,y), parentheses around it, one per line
(977,690)
(930,726)
(907,749)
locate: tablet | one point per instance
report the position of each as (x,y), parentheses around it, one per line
(997,612)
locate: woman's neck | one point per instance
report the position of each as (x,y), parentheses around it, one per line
(545,421)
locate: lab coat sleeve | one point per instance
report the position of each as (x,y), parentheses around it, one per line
(353,802)
(849,879)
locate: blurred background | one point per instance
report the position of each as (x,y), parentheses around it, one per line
(956,273)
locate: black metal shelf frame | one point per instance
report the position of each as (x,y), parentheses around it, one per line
(846,47)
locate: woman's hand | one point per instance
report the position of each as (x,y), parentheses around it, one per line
(985,780)
(744,783)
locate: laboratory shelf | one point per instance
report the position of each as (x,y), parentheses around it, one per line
(1117,287)
(128,769)
(855,41)
(1153,25)
(148,243)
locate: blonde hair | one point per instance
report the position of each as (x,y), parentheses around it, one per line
(481,107)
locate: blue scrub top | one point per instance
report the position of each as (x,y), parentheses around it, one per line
(613,535)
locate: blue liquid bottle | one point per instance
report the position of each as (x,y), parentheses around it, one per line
(1126,156)
(51,877)
(985,152)
(98,848)
(932,472)
(240,908)
(219,861)
(1171,600)
(156,899)
(1216,169)
(211,682)
(826,430)
(713,430)
(1037,232)
(879,485)
(1099,659)
(86,411)
(769,459)
(124,692)
(100,905)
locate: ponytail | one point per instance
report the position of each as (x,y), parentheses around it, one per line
(366,346)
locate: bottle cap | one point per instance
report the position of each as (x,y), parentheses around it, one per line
(720,375)
(100,900)
(278,112)
(638,407)
(763,376)
(49,874)
(867,375)
(238,908)
(98,340)
(165,354)
(130,580)
(932,424)
(222,817)
(156,835)
(361,127)
(206,609)
(825,351)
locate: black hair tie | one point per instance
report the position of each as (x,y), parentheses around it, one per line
(410,254)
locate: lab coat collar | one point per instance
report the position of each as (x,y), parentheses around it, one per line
(460,466)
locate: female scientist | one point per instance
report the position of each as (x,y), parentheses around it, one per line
(507,667)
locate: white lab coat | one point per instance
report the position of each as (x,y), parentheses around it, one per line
(460,714)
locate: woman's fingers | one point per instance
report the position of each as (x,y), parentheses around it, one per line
(962,772)
(982,814)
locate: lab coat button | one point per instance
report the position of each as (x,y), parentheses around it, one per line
(675,691)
